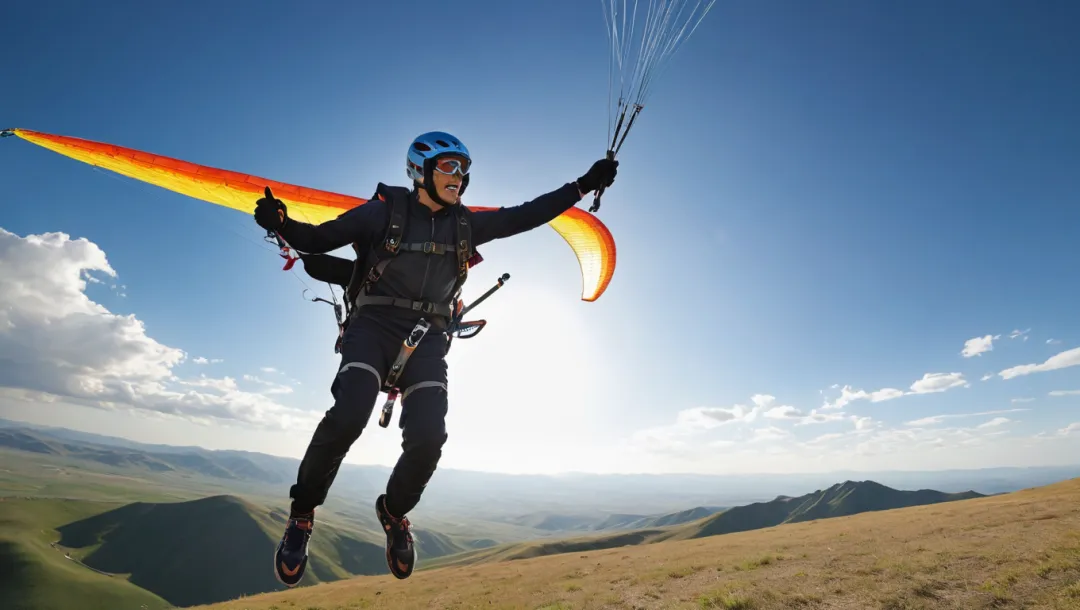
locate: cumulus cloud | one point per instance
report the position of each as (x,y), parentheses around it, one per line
(978,345)
(779,449)
(930,383)
(56,341)
(938,382)
(1061,360)
(849,395)
(201,360)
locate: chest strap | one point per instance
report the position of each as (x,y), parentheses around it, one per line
(428,247)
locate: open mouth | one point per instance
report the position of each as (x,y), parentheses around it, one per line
(453,188)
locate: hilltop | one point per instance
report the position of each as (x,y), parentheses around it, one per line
(847,498)
(1014,550)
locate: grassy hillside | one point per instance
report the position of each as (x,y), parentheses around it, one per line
(160,553)
(219,548)
(34,575)
(842,499)
(1018,550)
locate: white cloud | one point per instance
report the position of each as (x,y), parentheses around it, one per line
(937,419)
(783,413)
(1061,360)
(271,387)
(817,417)
(1071,428)
(979,345)
(987,377)
(201,360)
(997,421)
(1053,341)
(55,340)
(1018,334)
(849,395)
(986,444)
(769,433)
(1017,400)
(1065,393)
(930,383)
(862,423)
(938,382)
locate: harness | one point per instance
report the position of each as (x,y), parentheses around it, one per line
(377,258)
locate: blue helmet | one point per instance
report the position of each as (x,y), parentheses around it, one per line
(431,145)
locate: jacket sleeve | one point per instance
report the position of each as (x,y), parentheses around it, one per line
(356,225)
(490,225)
(327,268)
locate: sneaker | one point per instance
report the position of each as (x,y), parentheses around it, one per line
(400,550)
(291,557)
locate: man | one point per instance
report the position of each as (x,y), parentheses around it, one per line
(392,293)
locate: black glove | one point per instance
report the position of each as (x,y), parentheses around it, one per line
(270,213)
(602,173)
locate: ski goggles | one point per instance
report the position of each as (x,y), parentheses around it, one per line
(452,165)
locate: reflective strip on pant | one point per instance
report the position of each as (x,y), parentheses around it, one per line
(366,367)
(420,386)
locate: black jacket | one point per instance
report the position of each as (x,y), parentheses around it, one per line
(415,275)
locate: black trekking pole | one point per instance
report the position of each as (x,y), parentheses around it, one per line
(498,284)
(472,328)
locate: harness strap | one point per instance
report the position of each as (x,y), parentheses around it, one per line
(428,247)
(421,306)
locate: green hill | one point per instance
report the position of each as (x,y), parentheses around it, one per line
(208,550)
(34,575)
(848,498)
(842,499)
(62,554)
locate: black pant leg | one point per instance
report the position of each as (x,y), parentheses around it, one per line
(424,408)
(364,363)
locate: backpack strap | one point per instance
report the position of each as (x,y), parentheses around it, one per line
(378,256)
(466,258)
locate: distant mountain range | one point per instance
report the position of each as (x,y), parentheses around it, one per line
(496,496)
(842,499)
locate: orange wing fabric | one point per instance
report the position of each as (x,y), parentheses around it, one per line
(590,240)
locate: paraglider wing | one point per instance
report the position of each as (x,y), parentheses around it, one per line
(590,240)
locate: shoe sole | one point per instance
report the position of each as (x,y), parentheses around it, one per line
(277,575)
(390,563)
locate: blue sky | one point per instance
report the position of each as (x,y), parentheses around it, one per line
(817,195)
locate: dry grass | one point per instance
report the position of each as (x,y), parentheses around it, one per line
(1020,550)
